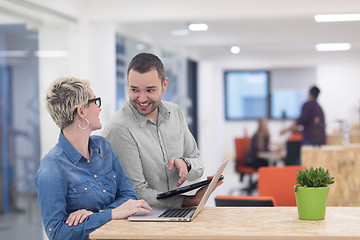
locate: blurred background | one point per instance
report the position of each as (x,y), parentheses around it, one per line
(250,59)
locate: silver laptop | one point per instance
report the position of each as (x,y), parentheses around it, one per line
(180,214)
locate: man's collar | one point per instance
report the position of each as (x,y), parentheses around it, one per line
(142,120)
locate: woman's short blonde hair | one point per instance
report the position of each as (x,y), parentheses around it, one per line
(64,96)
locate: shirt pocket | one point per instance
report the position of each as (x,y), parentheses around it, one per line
(175,145)
(82,196)
(110,178)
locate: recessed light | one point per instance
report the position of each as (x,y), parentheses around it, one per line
(14,53)
(337,17)
(180,32)
(235,49)
(333,46)
(51,53)
(198,27)
(140,46)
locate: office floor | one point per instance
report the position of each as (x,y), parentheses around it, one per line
(23,222)
(26,224)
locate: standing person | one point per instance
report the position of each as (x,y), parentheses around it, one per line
(259,143)
(80,183)
(151,137)
(312,119)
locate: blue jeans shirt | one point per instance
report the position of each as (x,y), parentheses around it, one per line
(66,181)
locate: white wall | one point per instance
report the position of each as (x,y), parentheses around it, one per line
(53,37)
(340,93)
(91,55)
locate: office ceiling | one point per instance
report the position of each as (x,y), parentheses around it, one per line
(261,28)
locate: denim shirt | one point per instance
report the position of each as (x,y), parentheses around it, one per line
(66,181)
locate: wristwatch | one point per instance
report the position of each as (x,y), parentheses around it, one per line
(188,163)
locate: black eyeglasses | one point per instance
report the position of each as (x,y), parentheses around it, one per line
(96,100)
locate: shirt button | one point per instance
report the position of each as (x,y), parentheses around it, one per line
(88,160)
(104,190)
(114,176)
(50,229)
(95,176)
(85,189)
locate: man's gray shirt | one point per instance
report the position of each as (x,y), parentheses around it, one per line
(144,149)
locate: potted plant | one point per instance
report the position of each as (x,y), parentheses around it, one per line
(311,195)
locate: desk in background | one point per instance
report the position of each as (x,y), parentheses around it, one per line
(343,163)
(336,139)
(274,158)
(249,223)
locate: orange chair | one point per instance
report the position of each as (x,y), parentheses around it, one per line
(278,182)
(241,148)
(244,201)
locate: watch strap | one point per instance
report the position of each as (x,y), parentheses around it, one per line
(188,163)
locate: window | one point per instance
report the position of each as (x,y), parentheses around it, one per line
(287,103)
(246,94)
(289,90)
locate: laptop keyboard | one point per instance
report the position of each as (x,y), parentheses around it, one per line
(175,212)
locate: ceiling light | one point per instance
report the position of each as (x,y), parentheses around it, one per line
(180,32)
(140,47)
(13,53)
(235,49)
(51,53)
(337,17)
(333,46)
(198,27)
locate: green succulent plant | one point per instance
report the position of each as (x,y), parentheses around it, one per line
(317,177)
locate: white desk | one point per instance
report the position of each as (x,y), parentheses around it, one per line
(274,158)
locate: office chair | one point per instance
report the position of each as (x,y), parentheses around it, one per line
(293,153)
(244,201)
(278,182)
(293,149)
(241,148)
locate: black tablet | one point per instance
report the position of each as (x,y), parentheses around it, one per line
(185,188)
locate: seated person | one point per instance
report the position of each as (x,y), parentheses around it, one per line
(81,184)
(259,143)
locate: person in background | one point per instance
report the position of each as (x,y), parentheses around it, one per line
(80,183)
(152,139)
(259,143)
(312,120)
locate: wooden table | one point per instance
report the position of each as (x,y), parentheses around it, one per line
(343,163)
(336,139)
(249,223)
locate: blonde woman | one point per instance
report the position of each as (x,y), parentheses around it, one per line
(80,183)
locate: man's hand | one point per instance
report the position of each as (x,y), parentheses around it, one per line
(181,166)
(77,217)
(194,200)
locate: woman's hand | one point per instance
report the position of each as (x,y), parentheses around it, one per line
(129,208)
(77,217)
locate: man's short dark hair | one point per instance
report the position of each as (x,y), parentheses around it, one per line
(145,62)
(314,91)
